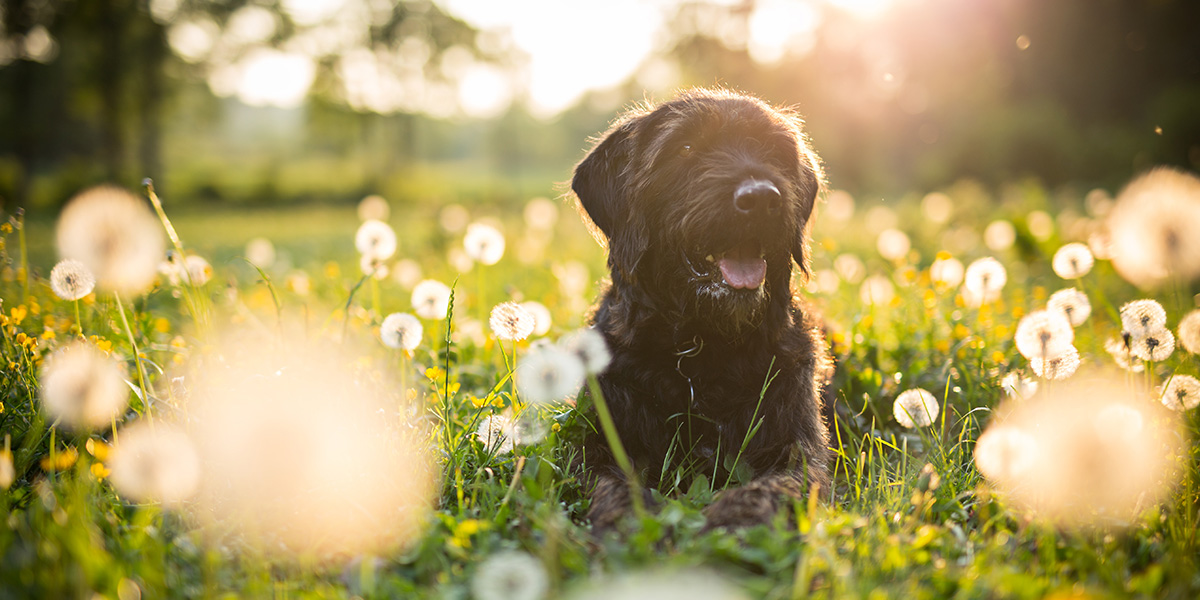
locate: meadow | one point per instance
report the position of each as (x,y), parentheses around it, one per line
(278,434)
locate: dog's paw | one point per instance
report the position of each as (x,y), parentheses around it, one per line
(612,503)
(743,507)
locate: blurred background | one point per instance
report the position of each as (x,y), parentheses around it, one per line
(260,103)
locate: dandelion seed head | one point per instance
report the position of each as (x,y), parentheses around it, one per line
(850,267)
(893,244)
(541,214)
(510,321)
(947,272)
(402,331)
(1071,303)
(454,218)
(115,235)
(510,575)
(484,243)
(1004,454)
(1073,261)
(376,239)
(541,316)
(999,235)
(83,388)
(589,346)
(1059,366)
(684,585)
(1181,393)
(1155,345)
(1155,228)
(825,281)
(374,208)
(1122,354)
(937,207)
(877,289)
(1040,224)
(1018,387)
(154,463)
(839,205)
(915,408)
(1044,334)
(985,277)
(548,375)
(299,282)
(1142,316)
(406,272)
(71,280)
(198,269)
(260,252)
(497,433)
(431,299)
(1189,332)
(373,266)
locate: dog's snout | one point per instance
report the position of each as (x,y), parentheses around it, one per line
(756,197)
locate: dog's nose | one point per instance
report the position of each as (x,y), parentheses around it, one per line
(756,197)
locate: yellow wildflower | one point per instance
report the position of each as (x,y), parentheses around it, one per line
(18,314)
(48,334)
(998,357)
(556,427)
(99,471)
(332,270)
(961,331)
(162,325)
(98,449)
(6,228)
(61,461)
(461,537)
(477,402)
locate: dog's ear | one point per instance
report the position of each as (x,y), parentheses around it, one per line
(602,185)
(810,185)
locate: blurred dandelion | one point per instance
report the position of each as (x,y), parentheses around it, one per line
(541,214)
(999,235)
(850,267)
(71,280)
(1142,316)
(985,278)
(406,272)
(825,281)
(1071,303)
(1155,345)
(1059,366)
(375,239)
(573,278)
(115,235)
(839,205)
(880,217)
(154,463)
(454,218)
(431,299)
(402,331)
(1189,332)
(541,316)
(1005,453)
(260,252)
(937,207)
(915,408)
(497,433)
(460,260)
(373,266)
(8,473)
(548,375)
(1018,387)
(1044,334)
(893,244)
(374,208)
(1122,354)
(877,289)
(484,243)
(684,585)
(1181,393)
(1040,224)
(947,272)
(510,575)
(1155,228)
(510,321)
(198,269)
(299,282)
(1073,261)
(82,387)
(589,347)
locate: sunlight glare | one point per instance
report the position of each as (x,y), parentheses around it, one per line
(272,78)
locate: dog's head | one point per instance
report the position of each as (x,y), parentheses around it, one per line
(704,203)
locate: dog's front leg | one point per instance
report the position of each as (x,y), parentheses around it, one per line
(611,501)
(756,502)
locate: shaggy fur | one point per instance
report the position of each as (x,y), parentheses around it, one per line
(673,190)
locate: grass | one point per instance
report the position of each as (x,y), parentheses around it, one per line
(910,517)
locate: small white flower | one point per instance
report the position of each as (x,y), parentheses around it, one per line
(1142,316)
(83,387)
(484,243)
(510,321)
(1044,334)
(1189,332)
(1071,303)
(155,463)
(1059,366)
(431,299)
(1181,393)
(548,374)
(541,315)
(401,330)
(1073,261)
(375,238)
(985,277)
(71,280)
(590,347)
(510,576)
(947,272)
(1155,346)
(915,408)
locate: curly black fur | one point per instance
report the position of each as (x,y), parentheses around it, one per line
(692,353)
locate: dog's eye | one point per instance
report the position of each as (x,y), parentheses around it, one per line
(685,150)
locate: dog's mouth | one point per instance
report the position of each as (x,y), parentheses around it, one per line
(742,267)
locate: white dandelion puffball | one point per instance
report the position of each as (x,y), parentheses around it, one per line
(548,375)
(1073,261)
(683,585)
(947,272)
(1040,225)
(915,408)
(406,272)
(937,207)
(260,252)
(71,280)
(877,289)
(198,269)
(1071,303)
(484,243)
(154,463)
(1155,228)
(402,331)
(573,278)
(374,208)
(1181,393)
(839,205)
(299,282)
(510,576)
(1018,387)
(454,218)
(1155,345)
(985,277)
(497,433)
(1044,334)
(375,238)
(510,321)
(1189,332)
(541,214)
(850,267)
(115,235)
(83,388)
(1142,316)
(373,266)
(999,235)
(893,244)
(541,316)
(1122,354)
(1059,366)
(589,347)
(431,299)
(1003,454)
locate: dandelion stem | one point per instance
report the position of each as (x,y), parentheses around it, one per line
(191,292)
(137,355)
(614,442)
(512,485)
(24,252)
(78,321)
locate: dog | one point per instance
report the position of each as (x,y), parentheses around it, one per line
(704,203)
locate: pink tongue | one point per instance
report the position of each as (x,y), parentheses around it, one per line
(743,268)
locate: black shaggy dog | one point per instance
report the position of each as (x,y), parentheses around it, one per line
(704,202)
